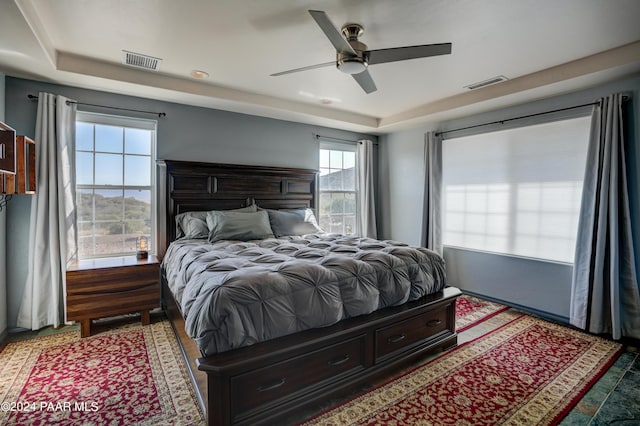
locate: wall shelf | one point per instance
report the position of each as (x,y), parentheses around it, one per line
(23,179)
(7,149)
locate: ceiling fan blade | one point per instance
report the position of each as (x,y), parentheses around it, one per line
(365,81)
(310,67)
(381,56)
(332,33)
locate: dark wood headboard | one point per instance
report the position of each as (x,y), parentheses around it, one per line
(191,186)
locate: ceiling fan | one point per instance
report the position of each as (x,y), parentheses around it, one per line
(352,56)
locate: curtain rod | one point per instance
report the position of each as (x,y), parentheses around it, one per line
(159,114)
(514,118)
(330,138)
(624,98)
(334,139)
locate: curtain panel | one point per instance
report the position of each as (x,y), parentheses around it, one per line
(366,189)
(52,228)
(604,291)
(432,210)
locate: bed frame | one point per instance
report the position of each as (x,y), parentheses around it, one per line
(271,382)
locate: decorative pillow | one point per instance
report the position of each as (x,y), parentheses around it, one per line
(194,224)
(293,222)
(228,225)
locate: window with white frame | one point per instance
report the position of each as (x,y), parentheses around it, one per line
(338,188)
(115,177)
(516,191)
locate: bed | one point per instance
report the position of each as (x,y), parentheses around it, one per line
(269,371)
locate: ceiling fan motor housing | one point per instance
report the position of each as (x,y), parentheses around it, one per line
(346,62)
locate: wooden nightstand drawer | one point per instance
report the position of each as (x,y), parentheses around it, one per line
(108,280)
(101,288)
(107,304)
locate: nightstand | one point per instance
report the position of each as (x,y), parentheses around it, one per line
(100,288)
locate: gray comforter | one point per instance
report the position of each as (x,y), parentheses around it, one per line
(234,294)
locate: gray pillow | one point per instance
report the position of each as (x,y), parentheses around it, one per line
(293,222)
(227,225)
(194,224)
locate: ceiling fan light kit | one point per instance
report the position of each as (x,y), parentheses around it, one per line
(349,65)
(352,56)
(345,61)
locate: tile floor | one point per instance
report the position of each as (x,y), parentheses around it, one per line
(613,399)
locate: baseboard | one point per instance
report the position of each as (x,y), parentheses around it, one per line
(526,309)
(3,335)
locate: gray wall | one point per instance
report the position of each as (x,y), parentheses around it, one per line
(186,133)
(402,176)
(540,286)
(3,242)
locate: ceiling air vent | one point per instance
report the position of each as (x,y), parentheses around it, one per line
(141,61)
(492,80)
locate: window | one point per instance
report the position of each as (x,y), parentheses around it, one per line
(115,178)
(338,188)
(516,191)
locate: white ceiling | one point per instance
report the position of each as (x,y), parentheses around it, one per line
(542,46)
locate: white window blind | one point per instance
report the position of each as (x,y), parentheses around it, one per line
(516,191)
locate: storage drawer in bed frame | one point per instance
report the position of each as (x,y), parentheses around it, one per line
(403,335)
(266,382)
(252,390)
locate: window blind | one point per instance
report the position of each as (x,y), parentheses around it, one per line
(516,191)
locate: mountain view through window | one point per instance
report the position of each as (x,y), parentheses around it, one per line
(114,184)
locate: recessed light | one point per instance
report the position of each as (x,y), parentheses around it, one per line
(199,74)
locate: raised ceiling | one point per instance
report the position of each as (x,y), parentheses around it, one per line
(541,46)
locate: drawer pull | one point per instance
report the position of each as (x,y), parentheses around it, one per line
(434,323)
(271,387)
(396,338)
(339,361)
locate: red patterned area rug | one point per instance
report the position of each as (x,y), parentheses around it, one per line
(527,372)
(471,311)
(130,375)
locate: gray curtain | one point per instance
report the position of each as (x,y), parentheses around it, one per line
(604,292)
(366,189)
(432,210)
(52,229)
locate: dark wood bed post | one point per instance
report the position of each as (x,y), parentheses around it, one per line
(268,381)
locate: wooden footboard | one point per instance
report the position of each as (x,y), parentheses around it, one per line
(269,381)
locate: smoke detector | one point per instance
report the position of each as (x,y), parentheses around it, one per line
(139,60)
